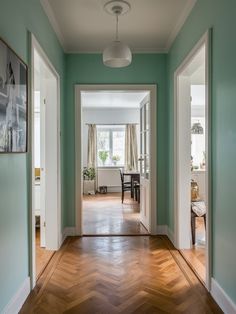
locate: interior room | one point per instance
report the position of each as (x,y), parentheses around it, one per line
(111,152)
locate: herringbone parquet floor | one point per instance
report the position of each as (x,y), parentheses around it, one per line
(109,275)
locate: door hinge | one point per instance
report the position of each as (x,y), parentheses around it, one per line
(44,101)
(44,224)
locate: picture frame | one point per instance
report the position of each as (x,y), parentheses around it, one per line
(13,101)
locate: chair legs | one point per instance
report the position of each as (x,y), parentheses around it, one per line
(193,226)
(122,196)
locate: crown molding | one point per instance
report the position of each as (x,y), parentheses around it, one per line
(134,51)
(185,13)
(53,21)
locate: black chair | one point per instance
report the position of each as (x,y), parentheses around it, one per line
(125,186)
(137,191)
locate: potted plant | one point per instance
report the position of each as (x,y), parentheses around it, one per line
(115,159)
(89,176)
(103,154)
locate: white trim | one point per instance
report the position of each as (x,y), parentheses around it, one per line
(153,147)
(165,230)
(205,40)
(162,230)
(185,13)
(53,21)
(68,232)
(171,235)
(222,299)
(135,51)
(36,46)
(16,302)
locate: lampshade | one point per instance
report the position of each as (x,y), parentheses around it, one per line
(197,128)
(117,55)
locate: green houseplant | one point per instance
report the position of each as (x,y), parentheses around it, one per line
(89,175)
(115,159)
(103,154)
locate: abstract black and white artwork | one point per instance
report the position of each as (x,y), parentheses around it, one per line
(13,102)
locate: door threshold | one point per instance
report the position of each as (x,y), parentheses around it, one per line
(45,266)
(193,269)
(116,235)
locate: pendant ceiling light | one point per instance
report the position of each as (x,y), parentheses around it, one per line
(197,128)
(117,54)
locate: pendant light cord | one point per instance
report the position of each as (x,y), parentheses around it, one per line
(117,22)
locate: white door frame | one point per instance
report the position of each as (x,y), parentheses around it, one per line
(78,152)
(36,46)
(205,40)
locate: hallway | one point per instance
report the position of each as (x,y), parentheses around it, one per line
(118,275)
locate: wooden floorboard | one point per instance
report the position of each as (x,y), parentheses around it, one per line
(43,256)
(196,256)
(119,275)
(104,214)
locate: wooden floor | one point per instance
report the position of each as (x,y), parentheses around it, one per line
(104,214)
(43,256)
(107,275)
(196,256)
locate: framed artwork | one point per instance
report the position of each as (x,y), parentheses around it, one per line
(13,101)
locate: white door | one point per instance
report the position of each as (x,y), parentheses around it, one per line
(42,165)
(52,156)
(184,162)
(49,156)
(145,163)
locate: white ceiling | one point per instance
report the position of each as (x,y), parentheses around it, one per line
(112,99)
(150,26)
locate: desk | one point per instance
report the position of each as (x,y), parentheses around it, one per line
(134,176)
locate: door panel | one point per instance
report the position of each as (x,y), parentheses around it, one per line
(42,168)
(144,164)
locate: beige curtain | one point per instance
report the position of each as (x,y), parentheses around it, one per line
(131,148)
(92,146)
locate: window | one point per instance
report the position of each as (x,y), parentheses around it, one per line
(110,145)
(198,145)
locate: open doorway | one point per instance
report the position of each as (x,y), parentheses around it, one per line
(45,161)
(111,149)
(113,128)
(192,160)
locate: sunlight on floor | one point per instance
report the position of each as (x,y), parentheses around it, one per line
(105,214)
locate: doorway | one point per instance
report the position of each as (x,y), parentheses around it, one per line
(46,195)
(112,216)
(192,155)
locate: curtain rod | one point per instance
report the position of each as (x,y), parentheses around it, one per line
(111,123)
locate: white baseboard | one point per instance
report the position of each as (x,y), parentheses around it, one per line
(67,232)
(16,302)
(222,299)
(162,229)
(171,235)
(165,230)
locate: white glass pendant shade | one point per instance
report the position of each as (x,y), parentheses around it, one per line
(117,55)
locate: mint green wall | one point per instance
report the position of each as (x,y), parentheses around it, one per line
(220,15)
(16,19)
(89,69)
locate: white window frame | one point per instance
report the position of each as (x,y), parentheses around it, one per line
(110,128)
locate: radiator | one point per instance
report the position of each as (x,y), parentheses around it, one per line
(109,177)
